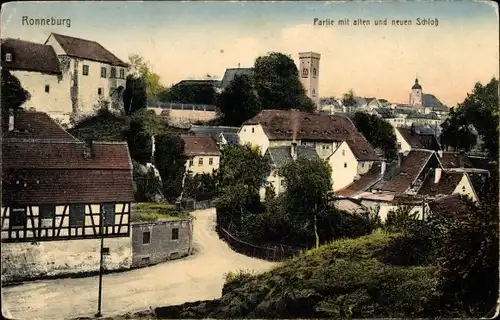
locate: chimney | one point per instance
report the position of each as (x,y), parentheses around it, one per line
(383,168)
(11,120)
(400,159)
(87,151)
(293,150)
(440,153)
(437,174)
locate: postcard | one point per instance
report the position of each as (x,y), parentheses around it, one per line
(232,159)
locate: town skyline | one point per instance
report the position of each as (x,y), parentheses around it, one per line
(374,61)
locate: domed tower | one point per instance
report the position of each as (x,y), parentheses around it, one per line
(416,94)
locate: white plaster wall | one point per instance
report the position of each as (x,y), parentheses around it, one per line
(206,167)
(464,188)
(324,149)
(52,258)
(405,146)
(385,208)
(257,137)
(341,175)
(56,102)
(364,166)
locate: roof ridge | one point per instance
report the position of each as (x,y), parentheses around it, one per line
(44,140)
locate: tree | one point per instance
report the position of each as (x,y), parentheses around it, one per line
(140,142)
(140,69)
(191,92)
(238,102)
(306,196)
(13,94)
(170,160)
(278,84)
(134,96)
(479,109)
(378,132)
(348,99)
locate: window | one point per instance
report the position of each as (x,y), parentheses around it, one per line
(343,152)
(345,165)
(399,145)
(99,91)
(200,162)
(47,214)
(362,164)
(8,57)
(105,251)
(253,130)
(47,88)
(145,260)
(85,70)
(282,183)
(18,217)
(146,237)
(463,189)
(103,72)
(76,215)
(108,213)
(113,72)
(122,73)
(175,233)
(314,72)
(305,72)
(210,161)
(190,162)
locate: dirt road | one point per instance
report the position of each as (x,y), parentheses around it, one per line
(198,277)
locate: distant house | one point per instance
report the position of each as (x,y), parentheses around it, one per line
(224,136)
(203,153)
(281,156)
(65,193)
(335,139)
(448,182)
(411,138)
(230,74)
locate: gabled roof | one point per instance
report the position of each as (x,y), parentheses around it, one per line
(30,56)
(280,156)
(231,73)
(87,49)
(448,206)
(411,137)
(200,146)
(364,182)
(35,125)
(198,82)
(430,101)
(455,160)
(406,175)
(231,137)
(445,186)
(212,131)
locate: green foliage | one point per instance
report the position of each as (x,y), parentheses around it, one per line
(134,96)
(149,80)
(147,185)
(189,92)
(400,220)
(239,101)
(201,186)
(170,161)
(348,99)
(155,211)
(378,132)
(479,109)
(104,126)
(278,84)
(13,96)
(140,142)
(270,193)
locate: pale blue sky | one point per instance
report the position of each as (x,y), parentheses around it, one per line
(189,39)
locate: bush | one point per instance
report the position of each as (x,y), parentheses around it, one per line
(400,220)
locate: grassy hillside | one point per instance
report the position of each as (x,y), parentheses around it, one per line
(345,279)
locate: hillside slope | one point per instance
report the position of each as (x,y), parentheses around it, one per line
(345,279)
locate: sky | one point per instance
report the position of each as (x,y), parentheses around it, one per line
(187,40)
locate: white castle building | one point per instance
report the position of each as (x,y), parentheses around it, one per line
(66,77)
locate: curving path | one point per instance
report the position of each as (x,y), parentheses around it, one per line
(197,277)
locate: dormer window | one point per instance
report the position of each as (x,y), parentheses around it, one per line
(8,57)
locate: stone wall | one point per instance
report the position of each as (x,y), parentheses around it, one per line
(24,261)
(161,247)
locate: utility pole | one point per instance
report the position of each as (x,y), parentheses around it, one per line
(101,266)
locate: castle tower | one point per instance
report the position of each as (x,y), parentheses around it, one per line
(416,94)
(309,74)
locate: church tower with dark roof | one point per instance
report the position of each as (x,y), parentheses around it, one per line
(416,95)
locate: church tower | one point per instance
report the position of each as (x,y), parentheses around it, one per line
(309,74)
(416,94)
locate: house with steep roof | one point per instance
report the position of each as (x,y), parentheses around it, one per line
(448,182)
(229,76)
(224,136)
(280,156)
(335,139)
(64,193)
(413,137)
(38,69)
(203,154)
(91,72)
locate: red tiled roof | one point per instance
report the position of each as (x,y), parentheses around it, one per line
(406,174)
(411,138)
(446,185)
(86,49)
(363,183)
(290,124)
(30,56)
(200,145)
(39,154)
(35,125)
(455,160)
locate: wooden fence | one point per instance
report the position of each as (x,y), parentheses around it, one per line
(275,253)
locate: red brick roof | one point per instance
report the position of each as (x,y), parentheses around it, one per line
(290,124)
(455,160)
(446,185)
(35,125)
(411,138)
(200,146)
(407,173)
(363,183)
